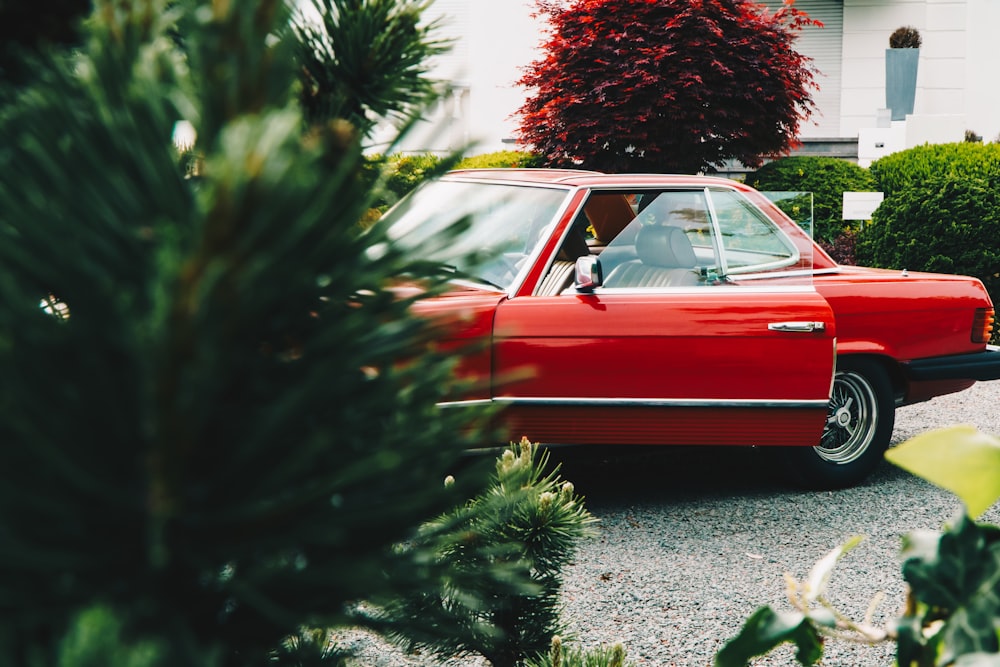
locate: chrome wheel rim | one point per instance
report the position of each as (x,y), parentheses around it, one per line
(851,420)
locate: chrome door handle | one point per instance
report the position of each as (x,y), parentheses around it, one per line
(804,327)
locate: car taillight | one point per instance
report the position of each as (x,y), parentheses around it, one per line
(982,325)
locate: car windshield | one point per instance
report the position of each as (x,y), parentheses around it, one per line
(484,231)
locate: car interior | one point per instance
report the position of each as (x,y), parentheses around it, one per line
(664,239)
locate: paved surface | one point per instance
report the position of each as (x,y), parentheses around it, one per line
(691,542)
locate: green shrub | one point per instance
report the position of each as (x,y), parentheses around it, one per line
(943,224)
(602,656)
(826,177)
(528,521)
(408,171)
(898,171)
(95,638)
(522,159)
(402,173)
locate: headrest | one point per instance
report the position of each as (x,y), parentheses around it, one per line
(665,247)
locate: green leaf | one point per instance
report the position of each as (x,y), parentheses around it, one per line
(960,459)
(765,630)
(958,583)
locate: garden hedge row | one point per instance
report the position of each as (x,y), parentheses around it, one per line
(946,219)
(826,177)
(403,172)
(896,172)
(941,211)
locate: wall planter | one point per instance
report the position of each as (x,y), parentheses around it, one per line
(901,59)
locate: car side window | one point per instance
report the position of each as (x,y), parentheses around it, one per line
(682,238)
(657,248)
(750,240)
(671,238)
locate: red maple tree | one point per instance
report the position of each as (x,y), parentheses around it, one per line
(666,85)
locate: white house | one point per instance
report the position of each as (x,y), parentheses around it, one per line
(956,84)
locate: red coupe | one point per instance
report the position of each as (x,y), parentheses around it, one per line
(684,310)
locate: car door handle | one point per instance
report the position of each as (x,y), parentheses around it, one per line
(804,327)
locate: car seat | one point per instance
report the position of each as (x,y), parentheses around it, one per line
(665,259)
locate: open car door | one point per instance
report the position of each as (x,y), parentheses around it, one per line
(675,343)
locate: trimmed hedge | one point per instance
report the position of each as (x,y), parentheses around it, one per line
(521,159)
(943,224)
(899,171)
(827,178)
(941,213)
(404,172)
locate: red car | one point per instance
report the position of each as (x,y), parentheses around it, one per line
(684,310)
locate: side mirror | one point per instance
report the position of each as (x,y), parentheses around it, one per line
(588,274)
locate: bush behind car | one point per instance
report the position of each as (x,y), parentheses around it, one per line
(405,171)
(941,213)
(899,171)
(827,178)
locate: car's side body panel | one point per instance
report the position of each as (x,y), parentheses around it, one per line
(634,345)
(632,367)
(905,316)
(664,425)
(465,321)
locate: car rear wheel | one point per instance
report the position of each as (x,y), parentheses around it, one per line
(858,429)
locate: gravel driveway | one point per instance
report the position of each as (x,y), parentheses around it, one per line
(690,543)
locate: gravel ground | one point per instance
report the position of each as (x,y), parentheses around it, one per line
(690,543)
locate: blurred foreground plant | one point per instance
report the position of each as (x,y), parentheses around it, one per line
(366,61)
(223,418)
(952,615)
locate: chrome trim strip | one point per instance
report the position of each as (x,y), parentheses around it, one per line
(717,247)
(708,290)
(482,402)
(644,402)
(785,274)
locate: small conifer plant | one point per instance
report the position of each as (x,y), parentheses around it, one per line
(528,521)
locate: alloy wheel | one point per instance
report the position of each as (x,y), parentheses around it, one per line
(852,419)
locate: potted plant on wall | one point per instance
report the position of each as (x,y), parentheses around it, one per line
(901,60)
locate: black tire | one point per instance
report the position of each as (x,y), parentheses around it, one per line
(857,433)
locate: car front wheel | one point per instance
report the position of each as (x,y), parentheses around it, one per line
(857,432)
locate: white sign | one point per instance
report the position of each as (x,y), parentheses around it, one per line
(861,205)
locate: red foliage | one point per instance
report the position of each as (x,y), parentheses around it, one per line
(666,85)
(843,247)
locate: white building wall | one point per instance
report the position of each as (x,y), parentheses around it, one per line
(867,26)
(504,40)
(956,77)
(982,90)
(941,74)
(494,40)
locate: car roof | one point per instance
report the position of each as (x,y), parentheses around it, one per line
(585,178)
